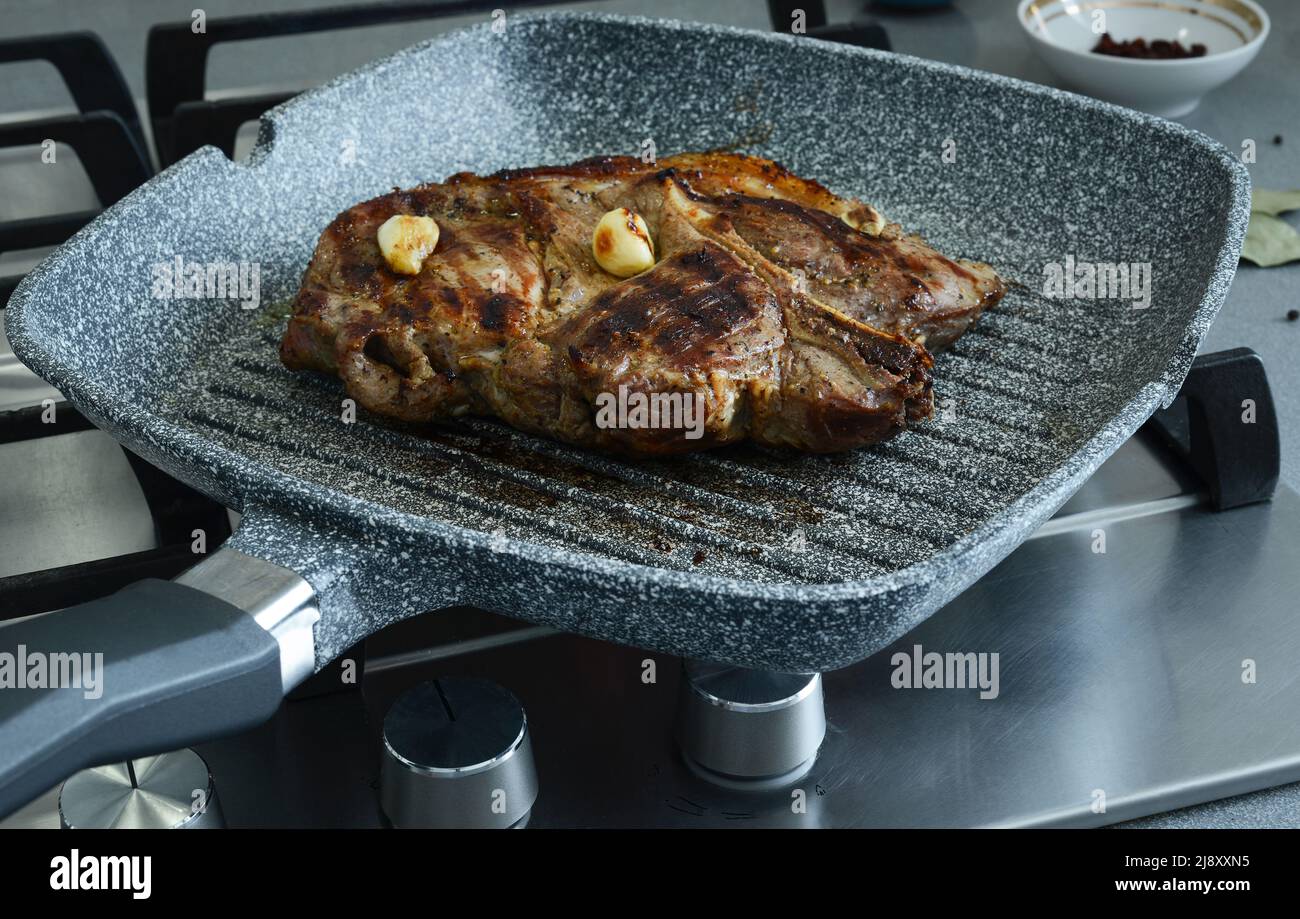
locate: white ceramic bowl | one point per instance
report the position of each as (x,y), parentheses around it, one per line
(1062,32)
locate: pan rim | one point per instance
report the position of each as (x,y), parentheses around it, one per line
(149,433)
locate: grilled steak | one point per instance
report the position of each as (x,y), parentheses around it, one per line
(773,311)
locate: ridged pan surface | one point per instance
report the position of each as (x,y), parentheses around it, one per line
(743,554)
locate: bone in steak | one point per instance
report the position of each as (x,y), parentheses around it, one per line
(795,318)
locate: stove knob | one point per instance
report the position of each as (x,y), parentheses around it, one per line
(457,754)
(172,791)
(749,728)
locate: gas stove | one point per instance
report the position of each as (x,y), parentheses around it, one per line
(1115,664)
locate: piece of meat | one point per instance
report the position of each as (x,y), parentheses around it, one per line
(774,311)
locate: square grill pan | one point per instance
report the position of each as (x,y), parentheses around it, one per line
(743,555)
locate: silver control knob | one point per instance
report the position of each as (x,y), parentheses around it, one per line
(457,754)
(749,728)
(170,791)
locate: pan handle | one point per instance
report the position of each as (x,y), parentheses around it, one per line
(156,666)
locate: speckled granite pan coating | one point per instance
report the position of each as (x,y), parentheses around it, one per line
(742,555)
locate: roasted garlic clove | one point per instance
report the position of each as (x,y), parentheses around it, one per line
(621,243)
(406,241)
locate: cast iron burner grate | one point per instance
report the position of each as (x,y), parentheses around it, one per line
(107,137)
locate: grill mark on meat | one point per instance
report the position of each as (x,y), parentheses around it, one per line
(361,274)
(495,310)
(685,308)
(450,297)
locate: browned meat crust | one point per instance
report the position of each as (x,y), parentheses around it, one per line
(791,316)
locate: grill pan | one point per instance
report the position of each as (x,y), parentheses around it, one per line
(742,555)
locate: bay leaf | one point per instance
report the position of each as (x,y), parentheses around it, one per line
(1273,202)
(1270,241)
